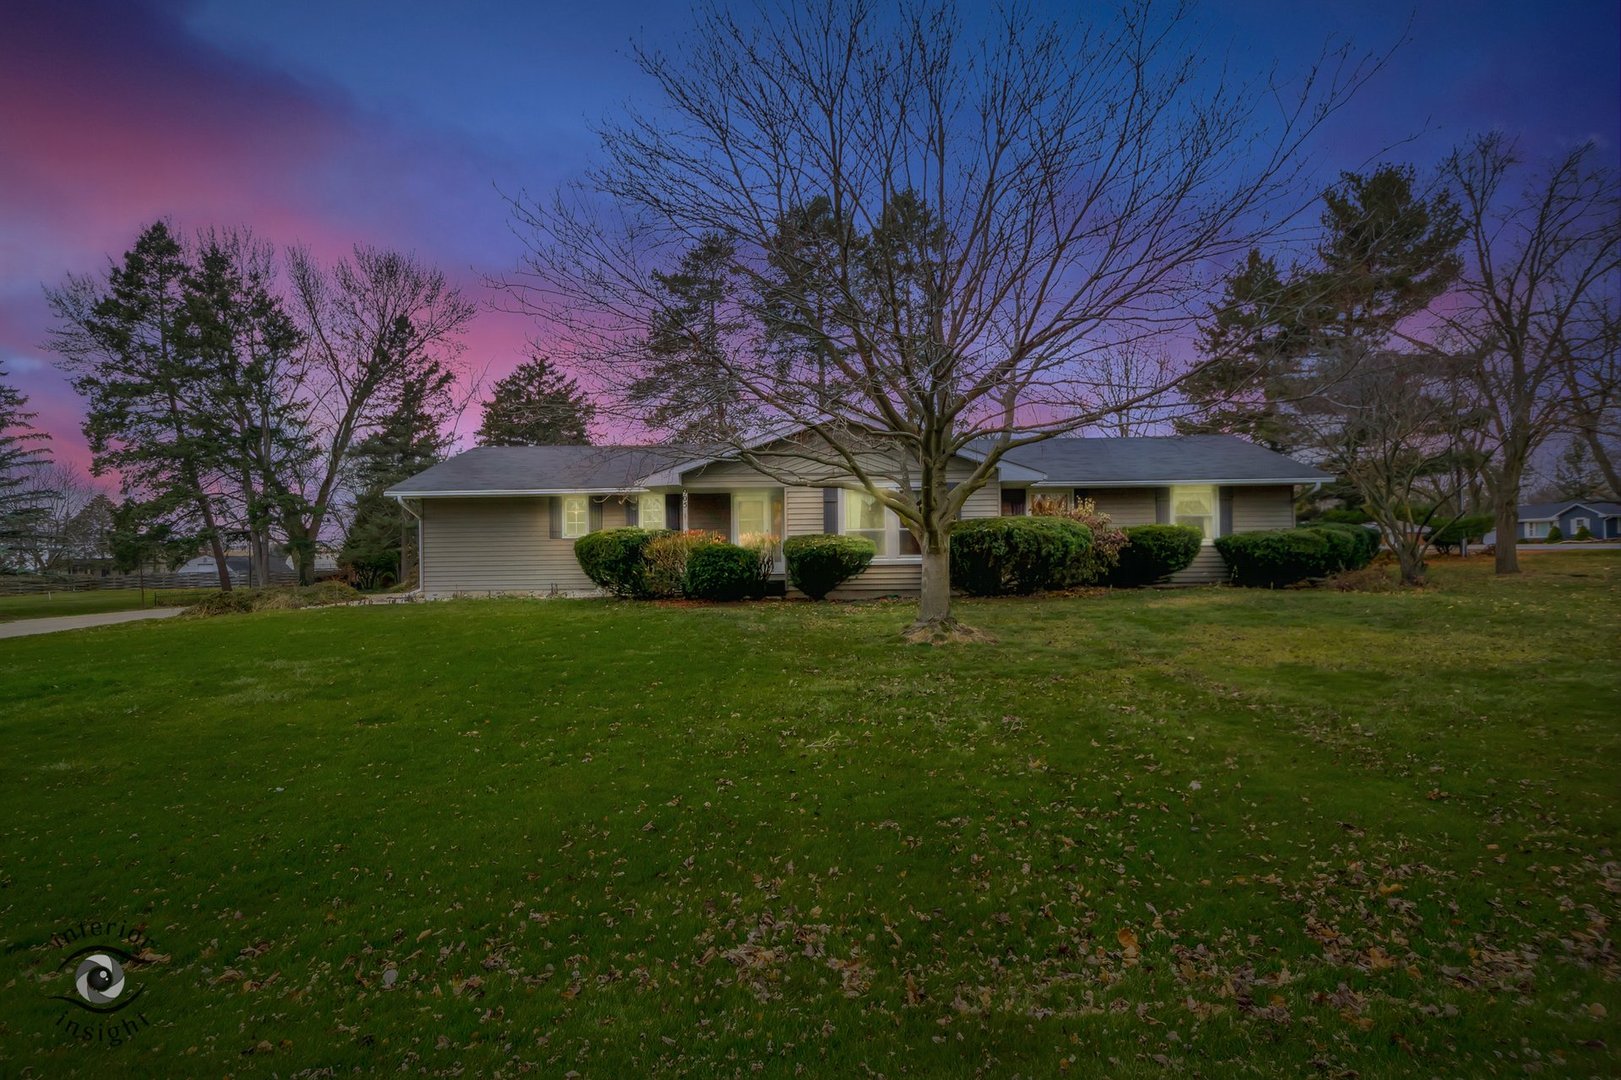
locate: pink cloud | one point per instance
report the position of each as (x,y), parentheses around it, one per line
(116,117)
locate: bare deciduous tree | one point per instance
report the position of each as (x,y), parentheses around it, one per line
(1538,304)
(1388,423)
(62,495)
(376,324)
(932,238)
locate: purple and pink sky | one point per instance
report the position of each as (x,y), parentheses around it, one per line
(403,124)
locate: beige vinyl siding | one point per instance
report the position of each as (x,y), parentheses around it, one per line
(802,511)
(984,503)
(500,545)
(724,475)
(882,579)
(1126,506)
(1258,508)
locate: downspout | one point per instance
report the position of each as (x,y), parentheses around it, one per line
(422,578)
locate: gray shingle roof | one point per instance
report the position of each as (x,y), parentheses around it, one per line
(1160,460)
(538,469)
(1543,510)
(1101,461)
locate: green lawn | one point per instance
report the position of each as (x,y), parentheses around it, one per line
(92,601)
(1211,832)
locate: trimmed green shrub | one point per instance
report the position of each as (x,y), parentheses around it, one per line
(1015,555)
(1341,516)
(1470,527)
(1583,533)
(820,563)
(1278,557)
(1153,552)
(723,572)
(1344,550)
(1364,543)
(613,559)
(1554,535)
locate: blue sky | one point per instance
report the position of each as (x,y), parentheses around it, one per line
(400,124)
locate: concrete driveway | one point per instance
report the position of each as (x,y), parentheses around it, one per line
(1541,548)
(30,627)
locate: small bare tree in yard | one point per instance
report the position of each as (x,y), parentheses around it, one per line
(1388,423)
(1540,293)
(929,242)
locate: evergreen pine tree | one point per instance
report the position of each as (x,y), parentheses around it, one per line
(22,451)
(536,405)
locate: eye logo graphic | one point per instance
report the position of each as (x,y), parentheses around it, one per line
(105,981)
(99,982)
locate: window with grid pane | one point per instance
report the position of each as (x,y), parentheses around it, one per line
(576,516)
(864,516)
(1194,505)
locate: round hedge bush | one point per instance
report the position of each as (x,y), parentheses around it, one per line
(1015,555)
(1364,542)
(724,572)
(1344,551)
(1153,552)
(820,563)
(1279,557)
(613,558)
(1470,527)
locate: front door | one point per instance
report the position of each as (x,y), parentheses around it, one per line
(710,511)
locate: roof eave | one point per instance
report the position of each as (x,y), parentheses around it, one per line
(1163,481)
(397,493)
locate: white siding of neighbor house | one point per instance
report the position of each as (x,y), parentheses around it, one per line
(500,545)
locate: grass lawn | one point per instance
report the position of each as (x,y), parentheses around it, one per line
(92,601)
(1202,832)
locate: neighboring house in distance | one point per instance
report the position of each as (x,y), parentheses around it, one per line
(503,519)
(205,570)
(1603,519)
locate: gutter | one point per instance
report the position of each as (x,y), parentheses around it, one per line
(1165,482)
(397,493)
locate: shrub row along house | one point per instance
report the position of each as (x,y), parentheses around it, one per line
(505,519)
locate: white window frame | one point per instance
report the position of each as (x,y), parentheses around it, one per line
(1577,524)
(1536,530)
(890,552)
(570,503)
(764,495)
(1214,492)
(653,501)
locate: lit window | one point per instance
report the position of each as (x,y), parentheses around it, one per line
(650,511)
(576,516)
(756,514)
(865,516)
(1195,507)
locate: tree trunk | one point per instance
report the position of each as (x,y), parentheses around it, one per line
(1508,524)
(934,602)
(935,624)
(1410,557)
(217,549)
(216,546)
(1601,456)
